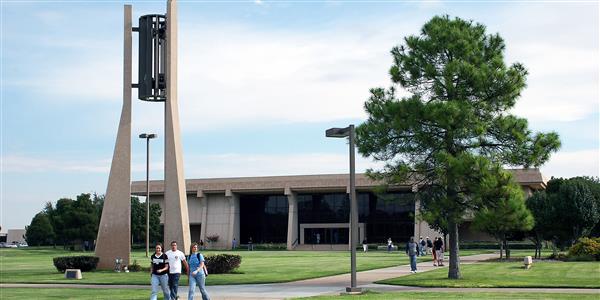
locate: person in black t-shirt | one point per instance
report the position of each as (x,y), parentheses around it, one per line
(438,247)
(159,272)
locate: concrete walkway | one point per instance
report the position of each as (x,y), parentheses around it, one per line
(332,285)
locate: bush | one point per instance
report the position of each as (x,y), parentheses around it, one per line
(559,256)
(134,267)
(212,238)
(84,263)
(222,263)
(586,249)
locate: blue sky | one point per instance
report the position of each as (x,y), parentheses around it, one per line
(259,82)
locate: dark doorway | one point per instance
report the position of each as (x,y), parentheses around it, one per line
(326,236)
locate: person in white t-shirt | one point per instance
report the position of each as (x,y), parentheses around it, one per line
(176,259)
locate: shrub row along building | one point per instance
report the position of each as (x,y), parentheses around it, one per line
(307,211)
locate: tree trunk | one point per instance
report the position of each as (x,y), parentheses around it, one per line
(454,262)
(501,248)
(506,249)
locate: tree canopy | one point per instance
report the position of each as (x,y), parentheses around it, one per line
(69,221)
(453,131)
(567,210)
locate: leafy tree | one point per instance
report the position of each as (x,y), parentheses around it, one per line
(74,220)
(138,221)
(543,212)
(506,213)
(568,210)
(454,130)
(40,231)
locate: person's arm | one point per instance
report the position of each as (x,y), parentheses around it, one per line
(185,265)
(166,268)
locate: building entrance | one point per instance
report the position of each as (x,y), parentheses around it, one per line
(329,233)
(326,236)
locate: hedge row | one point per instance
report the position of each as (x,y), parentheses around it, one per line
(84,263)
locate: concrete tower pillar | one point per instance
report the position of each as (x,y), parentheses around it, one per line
(176,211)
(114,232)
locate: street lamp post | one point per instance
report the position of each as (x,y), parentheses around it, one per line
(350,133)
(148,136)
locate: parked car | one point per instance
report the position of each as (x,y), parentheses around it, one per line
(22,245)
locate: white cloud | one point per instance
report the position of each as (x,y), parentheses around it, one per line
(241,165)
(25,164)
(573,163)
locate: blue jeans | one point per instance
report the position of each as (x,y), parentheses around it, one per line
(198,279)
(413,262)
(163,281)
(174,284)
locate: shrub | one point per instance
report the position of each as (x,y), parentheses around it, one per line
(134,267)
(212,238)
(222,263)
(84,263)
(560,256)
(586,249)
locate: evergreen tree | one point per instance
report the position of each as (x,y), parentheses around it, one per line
(454,131)
(506,212)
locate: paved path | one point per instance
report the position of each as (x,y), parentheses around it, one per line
(331,285)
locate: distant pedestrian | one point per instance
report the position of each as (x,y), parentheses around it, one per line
(233,244)
(438,247)
(201,245)
(429,245)
(365,246)
(318,238)
(176,260)
(389,245)
(412,249)
(422,246)
(159,272)
(250,245)
(197,273)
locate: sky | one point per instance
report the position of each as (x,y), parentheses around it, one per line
(259,82)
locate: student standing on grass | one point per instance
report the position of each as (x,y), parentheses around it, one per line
(365,246)
(197,273)
(176,259)
(389,242)
(412,249)
(159,272)
(438,247)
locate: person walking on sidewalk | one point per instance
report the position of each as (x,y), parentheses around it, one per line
(197,273)
(412,250)
(438,247)
(390,245)
(429,245)
(159,273)
(176,259)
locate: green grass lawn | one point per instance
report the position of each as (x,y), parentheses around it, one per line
(35,266)
(510,274)
(139,294)
(457,295)
(83,294)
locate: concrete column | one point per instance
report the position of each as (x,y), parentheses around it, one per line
(292,235)
(203,217)
(177,226)
(234,217)
(114,233)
